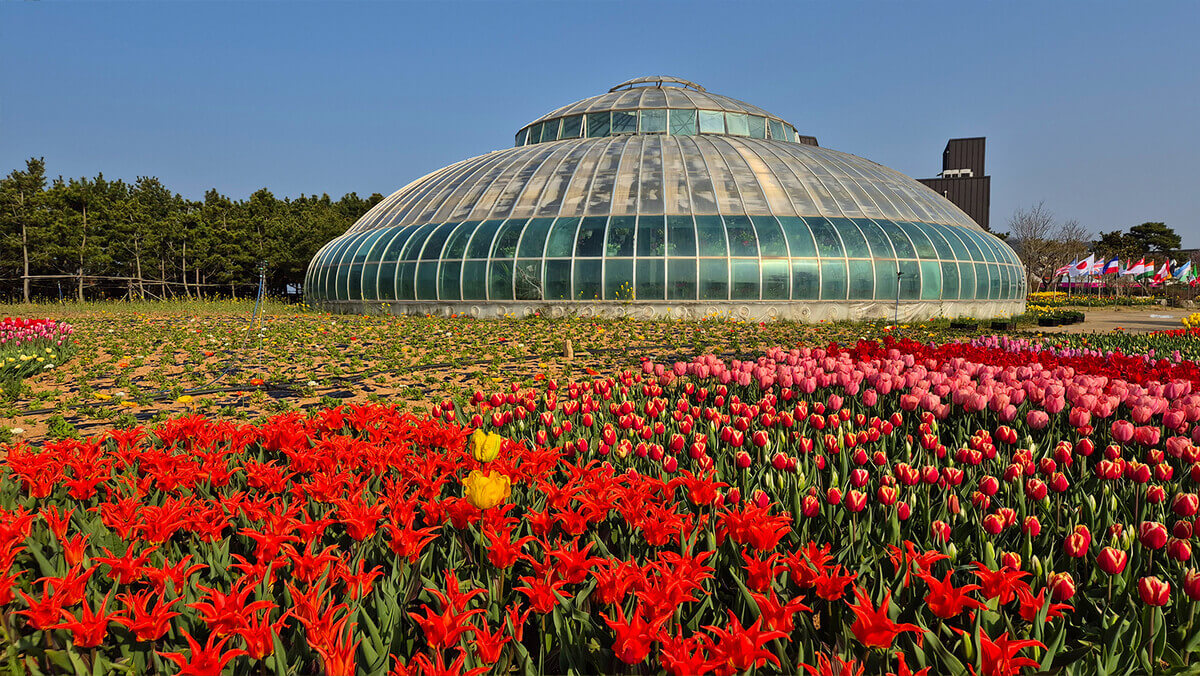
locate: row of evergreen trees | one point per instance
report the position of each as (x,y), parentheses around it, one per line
(91,238)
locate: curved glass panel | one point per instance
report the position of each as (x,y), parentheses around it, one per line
(833,279)
(862,280)
(799,237)
(745,279)
(770,237)
(449,281)
(776,279)
(588,275)
(620,237)
(456,245)
(742,241)
(829,242)
(618,279)
(714,279)
(710,236)
(651,279)
(651,235)
(681,236)
(852,238)
(558,280)
(806,279)
(528,279)
(533,239)
(561,242)
(681,279)
(481,239)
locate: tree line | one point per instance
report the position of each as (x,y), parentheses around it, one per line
(87,238)
(1045,243)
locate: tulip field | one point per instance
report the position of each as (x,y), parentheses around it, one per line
(814,500)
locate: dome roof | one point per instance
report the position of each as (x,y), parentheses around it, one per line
(673,105)
(662,196)
(660,174)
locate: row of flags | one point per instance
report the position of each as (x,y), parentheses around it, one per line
(1183,272)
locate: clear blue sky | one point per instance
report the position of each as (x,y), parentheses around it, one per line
(1092,107)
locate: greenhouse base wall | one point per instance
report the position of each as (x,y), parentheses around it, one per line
(812,312)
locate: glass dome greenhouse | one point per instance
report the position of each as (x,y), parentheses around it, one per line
(658,199)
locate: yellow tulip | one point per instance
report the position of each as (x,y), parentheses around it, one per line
(485,447)
(185,399)
(487,490)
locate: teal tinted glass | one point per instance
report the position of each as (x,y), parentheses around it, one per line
(833,279)
(528,281)
(535,133)
(406,281)
(799,237)
(533,239)
(588,274)
(995,283)
(941,247)
(521,136)
(976,239)
(427,276)
(969,242)
(710,235)
(558,280)
(806,279)
(481,240)
(651,235)
(776,279)
(966,281)
(572,126)
(920,242)
(681,236)
(590,241)
(900,242)
(712,122)
(500,280)
(931,280)
(433,246)
(1005,281)
(651,279)
(714,279)
(550,130)
(777,132)
(412,248)
(741,236)
(620,236)
(370,276)
(681,279)
(885,280)
(507,237)
(982,283)
(737,124)
(829,245)
(448,281)
(910,280)
(683,122)
(758,127)
(770,237)
(598,124)
(653,121)
(624,122)
(862,280)
(562,238)
(745,279)
(880,246)
(852,238)
(456,246)
(955,242)
(474,283)
(618,279)
(949,281)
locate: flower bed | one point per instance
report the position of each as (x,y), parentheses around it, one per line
(29,346)
(992,506)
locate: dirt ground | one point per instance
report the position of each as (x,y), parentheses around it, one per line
(1130,320)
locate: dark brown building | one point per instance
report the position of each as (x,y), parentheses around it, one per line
(963,180)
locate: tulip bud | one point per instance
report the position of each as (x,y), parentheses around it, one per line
(903,510)
(1011,560)
(1032,527)
(1182,529)
(833,496)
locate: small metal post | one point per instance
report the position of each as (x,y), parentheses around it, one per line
(896,317)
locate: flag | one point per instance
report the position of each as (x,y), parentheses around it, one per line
(1066,269)
(1111,267)
(1163,273)
(1083,267)
(1137,268)
(1185,272)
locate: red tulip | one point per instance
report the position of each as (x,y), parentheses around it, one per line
(1154,592)
(1152,534)
(940,531)
(1185,504)
(1180,550)
(1062,586)
(1032,527)
(1191,584)
(1076,545)
(1112,561)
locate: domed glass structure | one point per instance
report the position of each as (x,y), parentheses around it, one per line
(659,198)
